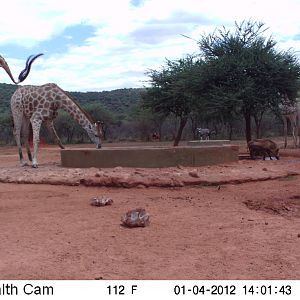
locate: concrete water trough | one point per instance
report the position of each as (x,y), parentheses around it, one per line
(148,157)
(203,143)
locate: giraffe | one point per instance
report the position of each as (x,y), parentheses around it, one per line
(290,112)
(23,75)
(36,104)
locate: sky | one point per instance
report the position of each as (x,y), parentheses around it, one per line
(96,45)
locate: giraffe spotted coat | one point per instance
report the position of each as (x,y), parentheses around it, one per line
(37,104)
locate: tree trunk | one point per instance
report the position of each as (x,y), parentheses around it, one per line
(194,123)
(230,131)
(248,127)
(257,125)
(104,132)
(258,120)
(183,121)
(160,133)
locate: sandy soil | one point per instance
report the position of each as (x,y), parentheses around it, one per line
(236,221)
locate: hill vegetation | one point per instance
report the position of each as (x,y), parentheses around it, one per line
(118,101)
(234,86)
(112,107)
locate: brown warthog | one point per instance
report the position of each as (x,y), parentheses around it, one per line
(263,147)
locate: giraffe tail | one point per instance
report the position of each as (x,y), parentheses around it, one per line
(24,73)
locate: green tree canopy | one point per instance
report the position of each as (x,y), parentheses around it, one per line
(171,90)
(245,73)
(99,113)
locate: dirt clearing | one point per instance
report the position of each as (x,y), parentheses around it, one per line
(234,224)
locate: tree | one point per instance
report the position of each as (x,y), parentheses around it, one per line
(6,128)
(66,127)
(146,122)
(245,73)
(170,91)
(99,113)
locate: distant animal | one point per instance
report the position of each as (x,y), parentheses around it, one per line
(205,133)
(290,111)
(155,136)
(36,104)
(263,147)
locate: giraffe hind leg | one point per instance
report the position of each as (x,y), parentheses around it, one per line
(17,135)
(26,136)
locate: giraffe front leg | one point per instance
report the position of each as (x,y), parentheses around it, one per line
(53,134)
(36,126)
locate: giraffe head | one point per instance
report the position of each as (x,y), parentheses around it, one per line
(94,131)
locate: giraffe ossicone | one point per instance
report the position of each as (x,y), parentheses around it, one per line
(36,104)
(23,75)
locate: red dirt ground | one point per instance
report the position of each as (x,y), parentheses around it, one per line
(236,221)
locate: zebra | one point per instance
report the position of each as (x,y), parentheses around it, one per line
(205,133)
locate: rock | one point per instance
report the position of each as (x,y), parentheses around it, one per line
(180,167)
(103,201)
(139,171)
(136,218)
(99,174)
(194,173)
(140,186)
(117,169)
(292,173)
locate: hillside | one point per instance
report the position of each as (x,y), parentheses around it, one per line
(6,91)
(117,102)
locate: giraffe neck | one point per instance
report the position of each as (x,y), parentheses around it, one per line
(78,114)
(64,101)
